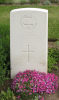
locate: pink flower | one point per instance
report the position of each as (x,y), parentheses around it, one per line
(34,81)
(27,90)
(39,96)
(42,98)
(18,96)
(30,93)
(24,89)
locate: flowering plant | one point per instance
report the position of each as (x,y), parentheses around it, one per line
(26,84)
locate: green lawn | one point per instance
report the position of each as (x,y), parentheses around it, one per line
(53,18)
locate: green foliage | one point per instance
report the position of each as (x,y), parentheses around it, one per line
(22,1)
(9,2)
(36,98)
(58,2)
(57,43)
(25,95)
(47,2)
(7,95)
(4,54)
(34,1)
(31,1)
(53,58)
(3,65)
(54,1)
(2,1)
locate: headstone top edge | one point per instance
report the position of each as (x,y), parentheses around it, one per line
(29,9)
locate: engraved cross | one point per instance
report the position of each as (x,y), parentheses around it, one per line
(28,52)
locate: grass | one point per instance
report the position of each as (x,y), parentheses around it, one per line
(53,17)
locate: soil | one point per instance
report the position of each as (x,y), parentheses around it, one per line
(53,96)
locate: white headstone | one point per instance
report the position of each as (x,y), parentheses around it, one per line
(28,40)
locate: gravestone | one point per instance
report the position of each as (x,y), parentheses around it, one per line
(28,40)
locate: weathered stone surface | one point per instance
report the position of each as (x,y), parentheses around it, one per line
(28,39)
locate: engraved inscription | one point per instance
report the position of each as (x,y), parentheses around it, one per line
(30,38)
(28,22)
(28,52)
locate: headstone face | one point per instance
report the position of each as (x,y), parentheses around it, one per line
(28,40)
